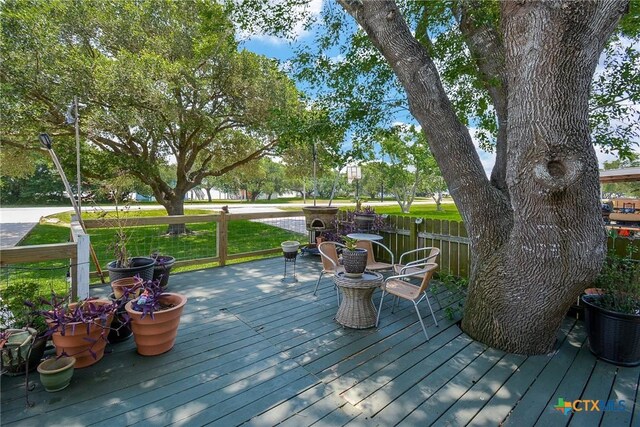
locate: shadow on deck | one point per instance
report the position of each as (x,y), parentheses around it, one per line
(254,351)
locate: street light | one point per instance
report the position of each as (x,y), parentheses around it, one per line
(45,140)
(354,172)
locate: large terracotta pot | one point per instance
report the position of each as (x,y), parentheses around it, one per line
(157,335)
(119,286)
(87,348)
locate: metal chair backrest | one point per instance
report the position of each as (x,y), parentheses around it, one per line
(329,255)
(368,245)
(429,269)
(424,270)
(426,254)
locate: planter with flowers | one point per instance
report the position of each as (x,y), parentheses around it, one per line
(79,329)
(155,317)
(162,268)
(612,311)
(23,342)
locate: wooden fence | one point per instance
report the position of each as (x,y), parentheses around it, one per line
(221,221)
(401,234)
(406,233)
(77,252)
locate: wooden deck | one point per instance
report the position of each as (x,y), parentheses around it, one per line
(256,352)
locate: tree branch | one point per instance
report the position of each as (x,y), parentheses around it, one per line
(485,44)
(448,138)
(255,155)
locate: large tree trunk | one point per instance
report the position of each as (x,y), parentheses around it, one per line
(537,236)
(175,206)
(172,199)
(557,243)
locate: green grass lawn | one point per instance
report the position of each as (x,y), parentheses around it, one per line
(243,236)
(133,212)
(421,208)
(449,211)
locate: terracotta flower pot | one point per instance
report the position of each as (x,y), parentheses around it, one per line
(55,374)
(87,348)
(157,335)
(119,286)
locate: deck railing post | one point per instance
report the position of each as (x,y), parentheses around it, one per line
(222,238)
(81,264)
(413,236)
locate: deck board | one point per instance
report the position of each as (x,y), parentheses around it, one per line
(625,388)
(598,388)
(254,351)
(539,397)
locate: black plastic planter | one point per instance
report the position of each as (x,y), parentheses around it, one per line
(142,266)
(162,269)
(613,337)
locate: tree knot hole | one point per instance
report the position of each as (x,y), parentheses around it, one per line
(556,168)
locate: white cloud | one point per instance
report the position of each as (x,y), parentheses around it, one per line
(487,159)
(604,157)
(313,8)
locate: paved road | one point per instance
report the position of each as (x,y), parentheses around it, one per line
(16,223)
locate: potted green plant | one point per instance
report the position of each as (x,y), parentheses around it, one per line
(125,265)
(23,328)
(354,259)
(162,268)
(612,313)
(79,329)
(155,317)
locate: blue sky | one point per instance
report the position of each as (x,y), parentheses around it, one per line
(284,51)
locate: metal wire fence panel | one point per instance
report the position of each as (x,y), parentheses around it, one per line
(198,242)
(40,278)
(262,234)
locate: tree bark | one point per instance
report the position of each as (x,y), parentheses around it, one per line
(175,206)
(537,236)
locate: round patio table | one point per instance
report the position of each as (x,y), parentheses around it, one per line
(356,308)
(364,236)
